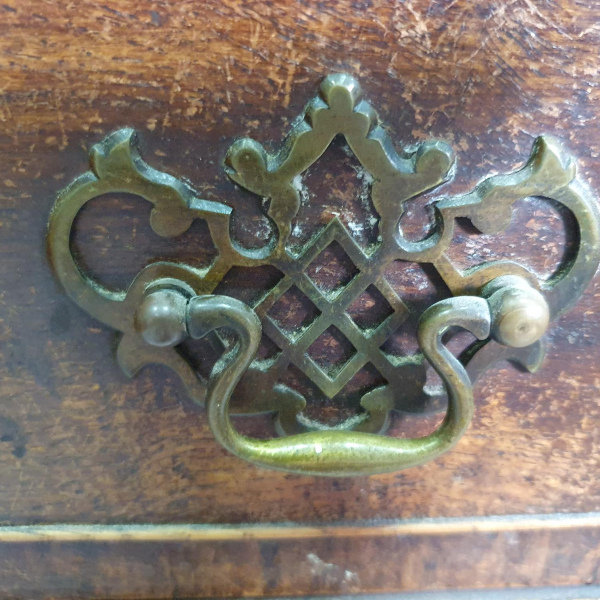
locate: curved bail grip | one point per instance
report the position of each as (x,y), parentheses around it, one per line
(338,453)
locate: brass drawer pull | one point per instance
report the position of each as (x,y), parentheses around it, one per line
(502,303)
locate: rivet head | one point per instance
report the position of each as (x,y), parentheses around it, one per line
(160,318)
(520,315)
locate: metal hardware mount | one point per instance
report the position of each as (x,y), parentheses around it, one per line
(504,304)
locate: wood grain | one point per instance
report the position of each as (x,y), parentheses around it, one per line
(81,443)
(187,561)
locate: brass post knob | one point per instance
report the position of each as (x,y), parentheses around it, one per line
(520,314)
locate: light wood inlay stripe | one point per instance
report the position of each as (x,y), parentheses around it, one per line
(191,532)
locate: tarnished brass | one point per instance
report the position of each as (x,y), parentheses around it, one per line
(502,303)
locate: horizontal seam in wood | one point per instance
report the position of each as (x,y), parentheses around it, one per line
(200,533)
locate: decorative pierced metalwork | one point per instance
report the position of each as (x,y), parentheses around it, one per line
(397,177)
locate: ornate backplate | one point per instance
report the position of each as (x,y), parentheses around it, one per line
(394,177)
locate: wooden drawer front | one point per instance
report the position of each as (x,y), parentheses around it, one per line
(81,444)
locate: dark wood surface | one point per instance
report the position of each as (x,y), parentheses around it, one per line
(185,562)
(79,442)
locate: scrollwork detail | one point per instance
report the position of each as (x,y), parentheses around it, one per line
(398,176)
